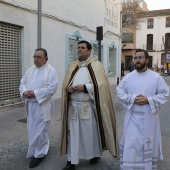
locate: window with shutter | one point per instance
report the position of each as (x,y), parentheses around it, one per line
(9,63)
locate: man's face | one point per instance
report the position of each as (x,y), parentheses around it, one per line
(140,61)
(83,52)
(39,58)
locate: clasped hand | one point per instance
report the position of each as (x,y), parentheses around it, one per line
(29,94)
(141,100)
(77,88)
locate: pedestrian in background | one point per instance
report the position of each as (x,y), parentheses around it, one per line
(162,68)
(122,68)
(88,122)
(37,87)
(131,66)
(141,92)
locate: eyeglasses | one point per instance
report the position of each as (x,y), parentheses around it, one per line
(138,57)
(37,57)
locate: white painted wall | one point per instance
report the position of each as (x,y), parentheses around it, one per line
(57,20)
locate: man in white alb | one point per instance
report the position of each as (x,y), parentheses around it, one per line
(88,123)
(142,92)
(37,87)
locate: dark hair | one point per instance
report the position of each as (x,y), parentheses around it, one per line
(145,52)
(89,47)
(44,50)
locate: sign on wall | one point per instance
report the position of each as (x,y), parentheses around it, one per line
(110,15)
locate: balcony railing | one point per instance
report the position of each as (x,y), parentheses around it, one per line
(163,47)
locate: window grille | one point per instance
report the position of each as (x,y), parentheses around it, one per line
(9,63)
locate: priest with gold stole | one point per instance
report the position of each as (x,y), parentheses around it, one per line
(88,122)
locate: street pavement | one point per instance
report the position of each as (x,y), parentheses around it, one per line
(13,140)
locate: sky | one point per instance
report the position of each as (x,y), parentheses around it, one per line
(157,4)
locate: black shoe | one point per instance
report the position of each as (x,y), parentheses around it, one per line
(94,160)
(35,162)
(69,166)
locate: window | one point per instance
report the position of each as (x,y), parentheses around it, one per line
(72,50)
(9,63)
(167,41)
(71,47)
(167,21)
(112,61)
(149,42)
(150,23)
(95,51)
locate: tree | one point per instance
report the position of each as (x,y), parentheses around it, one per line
(132,14)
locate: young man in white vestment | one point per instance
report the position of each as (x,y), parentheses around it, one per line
(37,88)
(142,92)
(88,123)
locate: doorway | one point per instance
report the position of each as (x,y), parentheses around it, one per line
(149,65)
(128,59)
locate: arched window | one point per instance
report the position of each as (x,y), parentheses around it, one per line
(112,59)
(71,47)
(95,50)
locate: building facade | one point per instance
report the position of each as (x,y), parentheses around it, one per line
(129,43)
(154,36)
(63,25)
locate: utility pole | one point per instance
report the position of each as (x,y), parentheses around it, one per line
(39,24)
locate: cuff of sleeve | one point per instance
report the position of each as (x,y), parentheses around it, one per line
(152,106)
(36,96)
(85,89)
(23,98)
(133,98)
(148,100)
(131,101)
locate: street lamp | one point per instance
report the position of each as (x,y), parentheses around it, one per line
(166,52)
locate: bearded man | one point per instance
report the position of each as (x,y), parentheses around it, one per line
(141,92)
(88,114)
